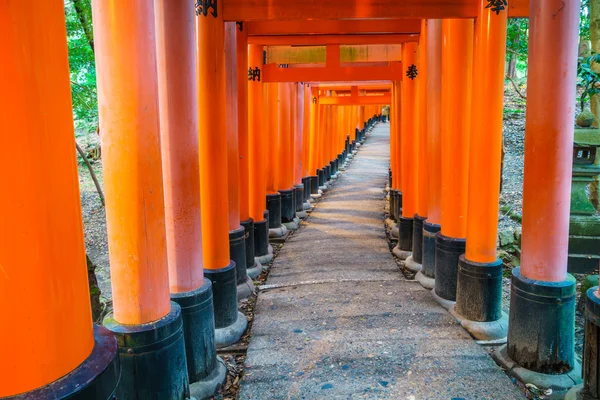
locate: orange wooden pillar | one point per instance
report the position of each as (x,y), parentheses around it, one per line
(43,283)
(253,267)
(457,67)
(481,299)
(314,143)
(285,155)
(432,225)
(272,115)
(257,154)
(125,47)
(409,126)
(237,233)
(299,149)
(542,303)
(395,167)
(306,145)
(414,262)
(176,66)
(214,198)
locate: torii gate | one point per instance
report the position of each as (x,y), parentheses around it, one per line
(145,104)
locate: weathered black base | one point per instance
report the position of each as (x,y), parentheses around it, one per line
(198,330)
(591,350)
(306,186)
(332,168)
(321,175)
(237,252)
(398,210)
(447,253)
(479,290)
(96,378)
(274,209)
(405,233)
(261,238)
(299,197)
(327,169)
(428,262)
(249,237)
(541,334)
(225,297)
(153,359)
(417,241)
(393,204)
(314,184)
(288,205)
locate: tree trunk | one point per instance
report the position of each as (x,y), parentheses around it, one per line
(512,63)
(84,13)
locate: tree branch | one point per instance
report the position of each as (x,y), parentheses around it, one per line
(92,173)
(516,88)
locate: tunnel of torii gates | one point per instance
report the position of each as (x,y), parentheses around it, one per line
(221,121)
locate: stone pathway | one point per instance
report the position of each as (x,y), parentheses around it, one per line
(337,319)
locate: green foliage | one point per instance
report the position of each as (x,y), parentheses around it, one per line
(588,79)
(517,37)
(83,73)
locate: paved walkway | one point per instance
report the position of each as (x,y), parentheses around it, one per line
(337,319)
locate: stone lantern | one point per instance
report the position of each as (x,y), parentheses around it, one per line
(584,231)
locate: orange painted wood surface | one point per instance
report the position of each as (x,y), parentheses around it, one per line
(212,114)
(257,138)
(486,135)
(131,159)
(333,27)
(434,128)
(457,70)
(242,100)
(316,40)
(45,304)
(279,10)
(231,125)
(176,67)
(271,73)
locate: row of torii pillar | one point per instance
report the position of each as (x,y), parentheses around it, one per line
(199,156)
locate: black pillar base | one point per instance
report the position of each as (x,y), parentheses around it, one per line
(314,184)
(327,172)
(250,245)
(417,241)
(306,186)
(261,238)
(274,209)
(332,168)
(299,197)
(198,330)
(237,252)
(153,359)
(97,377)
(479,290)
(429,238)
(447,253)
(225,299)
(288,206)
(393,204)
(541,334)
(321,175)
(405,233)
(591,352)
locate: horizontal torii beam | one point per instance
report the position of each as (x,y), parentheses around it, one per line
(317,54)
(355,100)
(316,40)
(282,10)
(339,27)
(392,72)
